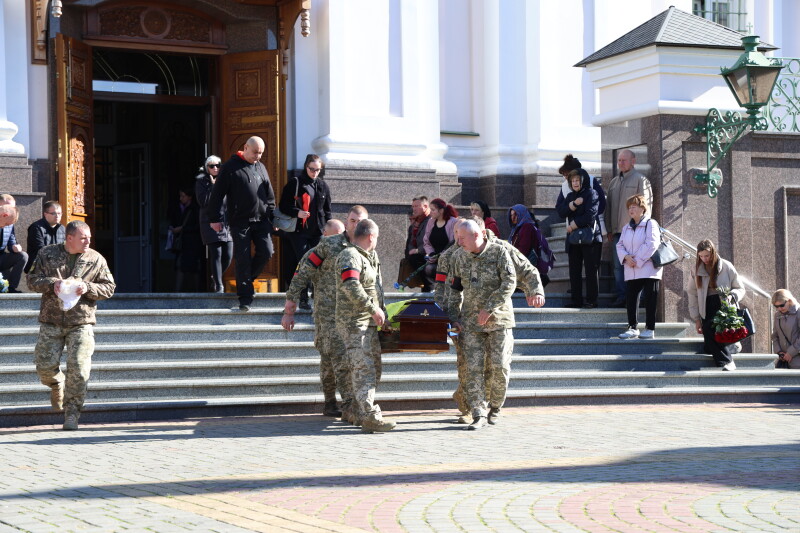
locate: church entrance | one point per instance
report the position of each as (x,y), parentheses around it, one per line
(152,133)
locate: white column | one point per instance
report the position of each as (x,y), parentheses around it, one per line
(8,82)
(376,81)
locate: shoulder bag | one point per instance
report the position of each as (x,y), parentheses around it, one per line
(582,236)
(665,254)
(285,222)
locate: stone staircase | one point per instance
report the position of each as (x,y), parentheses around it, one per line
(170,356)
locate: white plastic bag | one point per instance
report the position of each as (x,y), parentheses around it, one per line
(68,293)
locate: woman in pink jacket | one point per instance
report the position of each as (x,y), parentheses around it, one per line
(637,243)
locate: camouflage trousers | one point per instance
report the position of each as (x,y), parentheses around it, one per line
(492,348)
(333,370)
(79,343)
(363,349)
(461,367)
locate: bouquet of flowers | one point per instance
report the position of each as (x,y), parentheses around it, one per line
(728,325)
(3,284)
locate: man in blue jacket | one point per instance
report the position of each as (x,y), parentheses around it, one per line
(12,258)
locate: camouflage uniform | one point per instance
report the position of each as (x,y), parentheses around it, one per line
(359,295)
(72,328)
(314,268)
(487,280)
(528,278)
(442,290)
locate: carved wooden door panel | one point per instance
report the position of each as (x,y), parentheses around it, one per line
(74,110)
(249,105)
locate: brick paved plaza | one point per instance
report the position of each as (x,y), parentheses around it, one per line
(730,467)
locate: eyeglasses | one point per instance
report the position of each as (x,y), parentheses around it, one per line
(780,306)
(53,213)
(214,166)
(314,170)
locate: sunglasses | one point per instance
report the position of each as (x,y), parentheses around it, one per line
(213,166)
(780,306)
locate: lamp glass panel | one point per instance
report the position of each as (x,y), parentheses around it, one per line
(737,79)
(762,80)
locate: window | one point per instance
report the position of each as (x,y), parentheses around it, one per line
(730,13)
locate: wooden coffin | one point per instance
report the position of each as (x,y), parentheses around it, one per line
(423,328)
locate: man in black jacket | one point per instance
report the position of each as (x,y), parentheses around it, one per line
(45,231)
(245,183)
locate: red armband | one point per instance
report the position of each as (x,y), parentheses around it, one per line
(350,273)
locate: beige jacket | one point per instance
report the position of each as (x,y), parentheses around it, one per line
(726,277)
(620,189)
(786,332)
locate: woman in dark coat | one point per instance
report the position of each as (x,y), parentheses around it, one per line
(188,255)
(308,198)
(580,207)
(218,243)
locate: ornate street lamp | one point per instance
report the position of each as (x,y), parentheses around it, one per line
(751,80)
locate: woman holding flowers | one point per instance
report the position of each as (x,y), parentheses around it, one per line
(712,274)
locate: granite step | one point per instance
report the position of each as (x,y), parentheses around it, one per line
(419,385)
(304,332)
(417,364)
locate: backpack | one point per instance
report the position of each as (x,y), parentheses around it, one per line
(544,255)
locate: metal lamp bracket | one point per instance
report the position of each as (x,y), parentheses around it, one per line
(721,132)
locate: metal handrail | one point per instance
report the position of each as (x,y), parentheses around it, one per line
(746,282)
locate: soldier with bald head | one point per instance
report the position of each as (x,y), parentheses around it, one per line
(628,183)
(244,181)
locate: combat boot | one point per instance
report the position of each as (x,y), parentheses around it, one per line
(373,424)
(463,419)
(494,415)
(330,409)
(57,396)
(71,419)
(477,423)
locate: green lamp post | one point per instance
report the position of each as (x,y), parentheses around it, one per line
(751,80)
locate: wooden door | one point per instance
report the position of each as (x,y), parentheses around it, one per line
(250,105)
(74,120)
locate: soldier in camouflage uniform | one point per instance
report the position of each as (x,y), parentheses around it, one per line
(75,260)
(359,314)
(319,267)
(485,274)
(329,346)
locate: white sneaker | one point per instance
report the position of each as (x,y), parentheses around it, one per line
(648,334)
(632,333)
(729,366)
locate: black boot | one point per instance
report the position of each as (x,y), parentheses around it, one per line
(330,409)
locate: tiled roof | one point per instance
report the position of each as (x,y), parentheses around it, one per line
(673,27)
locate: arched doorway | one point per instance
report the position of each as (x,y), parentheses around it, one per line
(144,94)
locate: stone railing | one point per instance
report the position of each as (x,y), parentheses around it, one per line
(783,111)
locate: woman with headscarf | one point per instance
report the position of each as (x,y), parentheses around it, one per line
(579,208)
(480,209)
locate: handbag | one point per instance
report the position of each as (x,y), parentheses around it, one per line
(665,254)
(748,321)
(282,221)
(581,236)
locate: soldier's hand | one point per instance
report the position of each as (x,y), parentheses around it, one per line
(57,287)
(379,317)
(483,317)
(457,326)
(537,300)
(287,321)
(82,289)
(290,307)
(216,226)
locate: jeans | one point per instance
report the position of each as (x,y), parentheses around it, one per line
(248,268)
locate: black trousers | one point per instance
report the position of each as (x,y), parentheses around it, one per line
(11,266)
(648,288)
(220,255)
(583,257)
(249,267)
(299,243)
(720,352)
